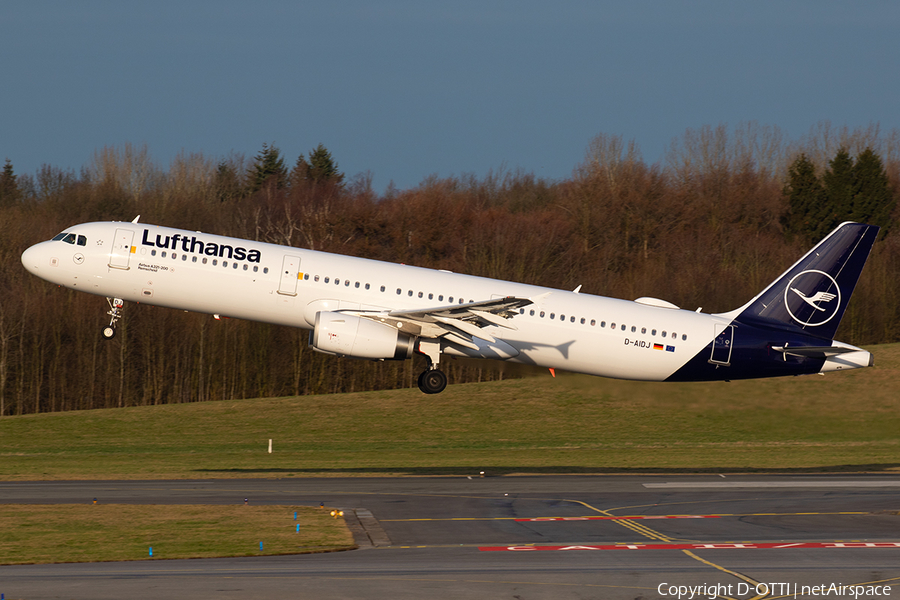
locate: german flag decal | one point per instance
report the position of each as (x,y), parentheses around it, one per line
(657,346)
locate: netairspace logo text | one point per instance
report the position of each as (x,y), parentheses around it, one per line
(790,590)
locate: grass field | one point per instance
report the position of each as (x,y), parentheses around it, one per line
(576,424)
(91,533)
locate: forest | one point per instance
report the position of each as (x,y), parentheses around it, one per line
(722,214)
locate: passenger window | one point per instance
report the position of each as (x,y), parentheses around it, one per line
(215,261)
(633,329)
(652,332)
(552,316)
(450,299)
(368,286)
(684,337)
(531,312)
(235,266)
(562,317)
(265,269)
(542,314)
(602,323)
(399,291)
(153,253)
(441,298)
(431,296)
(582,320)
(593,322)
(337,282)
(327,280)
(225,263)
(409,293)
(623,327)
(174,256)
(82,241)
(163,254)
(255,269)
(420,294)
(204,260)
(347,283)
(664,334)
(612,325)
(356,285)
(305,277)
(184,257)
(572,320)
(193,259)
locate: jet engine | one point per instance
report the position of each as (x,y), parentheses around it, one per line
(348,335)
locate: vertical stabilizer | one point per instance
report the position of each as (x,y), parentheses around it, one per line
(813,294)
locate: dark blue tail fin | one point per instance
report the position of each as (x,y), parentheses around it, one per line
(813,294)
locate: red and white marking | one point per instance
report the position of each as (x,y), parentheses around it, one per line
(758,546)
(614,518)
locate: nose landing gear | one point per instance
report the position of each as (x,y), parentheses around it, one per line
(115,313)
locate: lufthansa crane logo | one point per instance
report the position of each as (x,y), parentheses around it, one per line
(812,298)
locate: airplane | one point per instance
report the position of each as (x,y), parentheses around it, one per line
(367,309)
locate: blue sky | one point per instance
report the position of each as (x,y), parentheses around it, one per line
(409,89)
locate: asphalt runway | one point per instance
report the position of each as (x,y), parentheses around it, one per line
(616,537)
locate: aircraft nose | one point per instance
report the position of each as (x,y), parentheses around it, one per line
(31,258)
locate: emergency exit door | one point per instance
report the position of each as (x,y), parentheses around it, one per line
(122,249)
(290,273)
(722,345)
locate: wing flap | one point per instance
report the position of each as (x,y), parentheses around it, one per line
(463,321)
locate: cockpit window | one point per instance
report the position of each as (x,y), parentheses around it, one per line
(70,238)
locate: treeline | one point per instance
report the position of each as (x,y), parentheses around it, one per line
(721,216)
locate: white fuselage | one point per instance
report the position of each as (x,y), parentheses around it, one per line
(288,286)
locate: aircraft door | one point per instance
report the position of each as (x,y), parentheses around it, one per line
(722,344)
(290,273)
(122,249)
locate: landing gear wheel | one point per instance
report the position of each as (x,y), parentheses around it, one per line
(115,313)
(432,381)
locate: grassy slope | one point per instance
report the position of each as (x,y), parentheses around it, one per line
(572,423)
(88,533)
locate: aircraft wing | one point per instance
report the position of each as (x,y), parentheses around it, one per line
(458,322)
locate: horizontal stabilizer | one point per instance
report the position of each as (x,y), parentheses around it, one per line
(814,351)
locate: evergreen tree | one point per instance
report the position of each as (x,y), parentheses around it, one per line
(226,186)
(872,202)
(9,187)
(805,195)
(322,166)
(840,188)
(268,169)
(300,172)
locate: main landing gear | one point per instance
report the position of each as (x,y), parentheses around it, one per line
(115,313)
(432,380)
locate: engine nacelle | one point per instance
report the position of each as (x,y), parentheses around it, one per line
(348,335)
